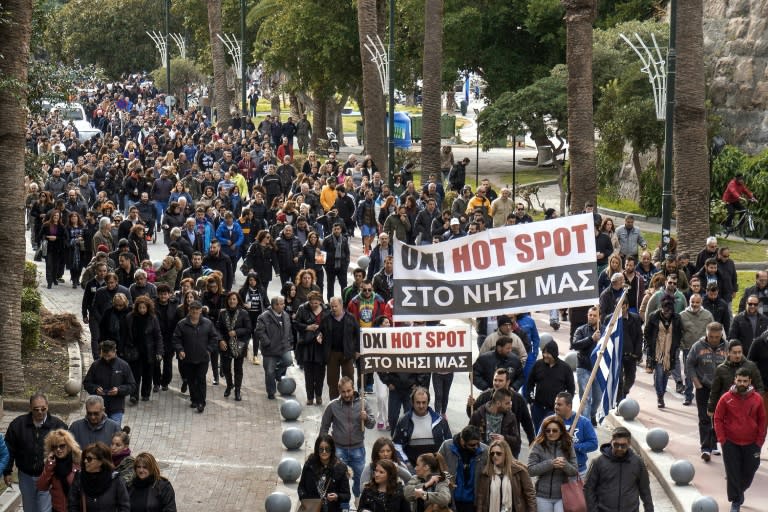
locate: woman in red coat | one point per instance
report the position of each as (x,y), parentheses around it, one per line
(61,464)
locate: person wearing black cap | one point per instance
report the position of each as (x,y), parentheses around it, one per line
(194,338)
(732,198)
(505,329)
(549,376)
(662,335)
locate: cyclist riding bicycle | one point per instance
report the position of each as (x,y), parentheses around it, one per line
(735,190)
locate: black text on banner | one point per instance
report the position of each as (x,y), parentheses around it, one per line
(416,349)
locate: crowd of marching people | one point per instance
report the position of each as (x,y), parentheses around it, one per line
(238,201)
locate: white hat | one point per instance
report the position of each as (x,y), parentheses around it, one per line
(455,222)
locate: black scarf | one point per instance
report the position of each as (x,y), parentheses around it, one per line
(96,484)
(61,470)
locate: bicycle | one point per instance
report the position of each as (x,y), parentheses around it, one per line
(749,226)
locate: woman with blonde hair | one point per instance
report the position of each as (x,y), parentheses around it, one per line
(306,283)
(504,483)
(150,491)
(62,463)
(614,267)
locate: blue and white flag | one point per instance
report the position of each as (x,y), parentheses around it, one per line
(609,373)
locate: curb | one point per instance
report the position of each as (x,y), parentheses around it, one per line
(10,499)
(659,463)
(56,406)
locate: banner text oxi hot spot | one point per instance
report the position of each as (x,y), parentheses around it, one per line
(416,349)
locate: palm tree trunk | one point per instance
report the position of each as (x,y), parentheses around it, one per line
(432,69)
(691,182)
(374,118)
(318,116)
(222,95)
(14,46)
(579,15)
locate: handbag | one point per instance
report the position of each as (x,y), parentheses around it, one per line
(44,247)
(573,496)
(310,505)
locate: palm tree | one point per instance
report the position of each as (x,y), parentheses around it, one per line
(579,15)
(14,65)
(222,96)
(373,97)
(432,90)
(691,182)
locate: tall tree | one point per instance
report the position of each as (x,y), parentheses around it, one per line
(432,94)
(15,33)
(691,183)
(373,109)
(579,15)
(222,96)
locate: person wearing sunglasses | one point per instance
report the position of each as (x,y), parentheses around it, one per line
(98,488)
(62,463)
(618,476)
(504,484)
(465,456)
(95,426)
(324,479)
(552,460)
(25,441)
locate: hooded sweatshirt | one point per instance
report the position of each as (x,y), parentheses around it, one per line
(545,382)
(616,484)
(703,360)
(740,418)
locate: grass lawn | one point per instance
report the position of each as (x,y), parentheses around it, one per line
(522,176)
(740,251)
(623,205)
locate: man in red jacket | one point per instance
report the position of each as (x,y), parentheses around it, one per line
(732,196)
(740,424)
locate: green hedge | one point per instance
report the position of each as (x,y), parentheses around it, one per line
(30,332)
(755,169)
(30,300)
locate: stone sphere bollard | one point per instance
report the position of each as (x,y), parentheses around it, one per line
(544,338)
(572,359)
(682,472)
(290,410)
(629,409)
(286,386)
(657,439)
(293,438)
(363,261)
(277,502)
(704,504)
(72,387)
(289,470)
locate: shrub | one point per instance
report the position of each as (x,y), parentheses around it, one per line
(29,279)
(30,332)
(651,191)
(30,300)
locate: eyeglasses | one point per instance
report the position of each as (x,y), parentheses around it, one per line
(751,303)
(496,454)
(520,209)
(88,458)
(324,449)
(39,409)
(367,289)
(93,413)
(552,431)
(61,446)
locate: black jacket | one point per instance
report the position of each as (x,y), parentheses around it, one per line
(633,336)
(158,497)
(241,326)
(287,249)
(404,430)
(167,318)
(107,375)
(26,443)
(741,329)
(196,341)
(330,253)
(485,366)
(545,382)
(651,333)
(336,476)
(262,260)
(223,264)
(617,484)
(114,499)
(758,353)
(151,343)
(306,345)
(351,333)
(509,428)
(584,344)
(391,502)
(719,310)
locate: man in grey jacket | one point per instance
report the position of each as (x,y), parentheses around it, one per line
(274,333)
(96,426)
(694,320)
(618,478)
(703,359)
(344,417)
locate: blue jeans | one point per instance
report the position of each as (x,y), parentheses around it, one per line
(549,505)
(33,500)
(274,369)
(355,459)
(660,378)
(538,413)
(677,375)
(117,417)
(160,208)
(595,393)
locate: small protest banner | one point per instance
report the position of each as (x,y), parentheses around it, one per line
(416,349)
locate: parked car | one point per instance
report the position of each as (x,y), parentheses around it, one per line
(75,113)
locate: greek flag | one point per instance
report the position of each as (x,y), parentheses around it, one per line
(609,373)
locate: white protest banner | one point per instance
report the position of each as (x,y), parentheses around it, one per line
(511,269)
(416,349)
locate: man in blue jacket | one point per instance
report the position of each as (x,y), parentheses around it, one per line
(420,430)
(584,436)
(465,458)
